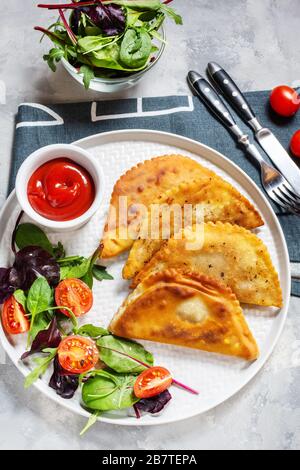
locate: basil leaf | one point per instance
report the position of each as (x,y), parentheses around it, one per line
(42,364)
(76,271)
(88,75)
(31,235)
(135,49)
(100,273)
(39,296)
(92,331)
(123,355)
(20,297)
(106,391)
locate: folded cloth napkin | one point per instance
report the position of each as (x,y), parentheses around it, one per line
(39,125)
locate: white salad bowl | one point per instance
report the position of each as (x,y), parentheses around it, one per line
(52,152)
(113,85)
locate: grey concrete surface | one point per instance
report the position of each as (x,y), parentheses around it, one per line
(257,40)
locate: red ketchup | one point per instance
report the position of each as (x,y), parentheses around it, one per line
(61,190)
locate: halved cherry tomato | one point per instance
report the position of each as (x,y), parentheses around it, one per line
(295,144)
(77,354)
(14,318)
(75,295)
(152,382)
(285,101)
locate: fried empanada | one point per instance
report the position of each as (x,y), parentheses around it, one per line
(218,200)
(186,309)
(229,253)
(143,185)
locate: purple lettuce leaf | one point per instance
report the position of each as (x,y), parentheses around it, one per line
(8,283)
(32,262)
(155,404)
(49,338)
(65,385)
(109,18)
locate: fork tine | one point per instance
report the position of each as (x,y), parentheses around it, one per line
(279,199)
(287,195)
(291,191)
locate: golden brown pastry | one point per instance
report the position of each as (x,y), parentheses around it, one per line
(145,184)
(186,309)
(229,253)
(218,201)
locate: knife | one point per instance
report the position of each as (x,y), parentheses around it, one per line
(264,136)
(214,102)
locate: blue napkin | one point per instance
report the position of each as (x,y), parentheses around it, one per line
(39,125)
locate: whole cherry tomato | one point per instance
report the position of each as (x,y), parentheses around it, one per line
(285,101)
(295,144)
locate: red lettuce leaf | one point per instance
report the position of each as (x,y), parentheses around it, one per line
(49,338)
(65,385)
(155,404)
(8,283)
(109,18)
(32,262)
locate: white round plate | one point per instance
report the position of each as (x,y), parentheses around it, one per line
(216,377)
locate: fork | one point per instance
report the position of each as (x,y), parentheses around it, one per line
(275,185)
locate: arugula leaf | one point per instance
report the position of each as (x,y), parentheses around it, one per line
(92,331)
(55,55)
(91,421)
(124,356)
(100,273)
(88,75)
(20,297)
(107,391)
(59,251)
(172,14)
(42,364)
(31,235)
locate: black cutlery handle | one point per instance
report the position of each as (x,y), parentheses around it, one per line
(212,100)
(231,91)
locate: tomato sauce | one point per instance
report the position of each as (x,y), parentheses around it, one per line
(61,190)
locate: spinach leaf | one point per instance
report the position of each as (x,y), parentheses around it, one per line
(124,356)
(74,270)
(100,273)
(92,331)
(39,296)
(88,75)
(38,301)
(40,323)
(135,49)
(31,235)
(20,297)
(107,391)
(42,364)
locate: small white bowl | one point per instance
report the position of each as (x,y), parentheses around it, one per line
(52,152)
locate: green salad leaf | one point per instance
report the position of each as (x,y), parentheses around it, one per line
(91,422)
(42,364)
(32,235)
(21,298)
(75,269)
(88,75)
(105,391)
(100,273)
(92,331)
(135,49)
(39,300)
(123,355)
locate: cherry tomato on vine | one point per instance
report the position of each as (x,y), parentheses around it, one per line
(295,144)
(285,101)
(77,354)
(152,382)
(14,318)
(74,294)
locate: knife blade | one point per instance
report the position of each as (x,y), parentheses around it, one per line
(264,136)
